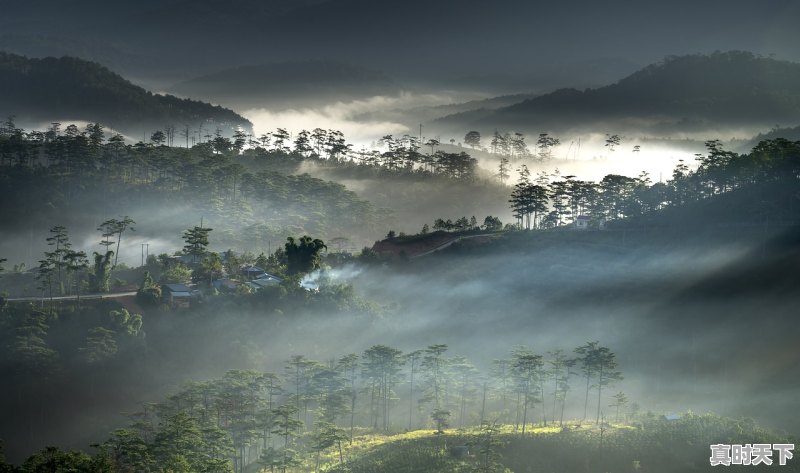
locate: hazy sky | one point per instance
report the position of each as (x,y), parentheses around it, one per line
(410,39)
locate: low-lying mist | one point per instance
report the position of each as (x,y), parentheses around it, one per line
(359,120)
(686,338)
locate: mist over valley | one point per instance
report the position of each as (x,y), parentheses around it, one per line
(340,235)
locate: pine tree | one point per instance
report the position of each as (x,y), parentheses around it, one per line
(196,239)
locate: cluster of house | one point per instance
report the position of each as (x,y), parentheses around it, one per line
(258,279)
(181,296)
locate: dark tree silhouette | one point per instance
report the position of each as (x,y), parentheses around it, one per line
(303,255)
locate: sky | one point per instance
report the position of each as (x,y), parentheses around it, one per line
(444,41)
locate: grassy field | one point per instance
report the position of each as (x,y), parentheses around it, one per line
(652,444)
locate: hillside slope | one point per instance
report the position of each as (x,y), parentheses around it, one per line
(686,93)
(42,90)
(653,444)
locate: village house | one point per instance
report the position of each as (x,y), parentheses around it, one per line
(266,280)
(178,296)
(253,272)
(225,284)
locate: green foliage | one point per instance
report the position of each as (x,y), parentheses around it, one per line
(128,451)
(486,445)
(473,139)
(559,201)
(149,293)
(125,322)
(27,345)
(657,446)
(492,223)
(115,227)
(100,346)
(196,239)
(238,192)
(100,279)
(526,369)
(381,369)
(54,459)
(368,256)
(210,268)
(303,255)
(181,444)
(441,418)
(178,273)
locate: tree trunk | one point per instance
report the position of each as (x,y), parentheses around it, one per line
(586,403)
(544,411)
(411,399)
(599,392)
(524,413)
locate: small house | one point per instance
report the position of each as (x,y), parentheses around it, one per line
(253,272)
(177,296)
(582,222)
(225,284)
(267,280)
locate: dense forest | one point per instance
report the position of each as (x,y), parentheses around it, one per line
(550,201)
(252,194)
(253,189)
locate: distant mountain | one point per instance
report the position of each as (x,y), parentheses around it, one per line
(287,84)
(66,88)
(43,45)
(413,116)
(448,42)
(684,93)
(492,103)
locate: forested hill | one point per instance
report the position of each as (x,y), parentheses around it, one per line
(685,92)
(40,90)
(289,84)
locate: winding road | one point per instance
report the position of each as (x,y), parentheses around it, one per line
(109,295)
(450,242)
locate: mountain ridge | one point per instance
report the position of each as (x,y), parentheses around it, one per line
(70,88)
(735,87)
